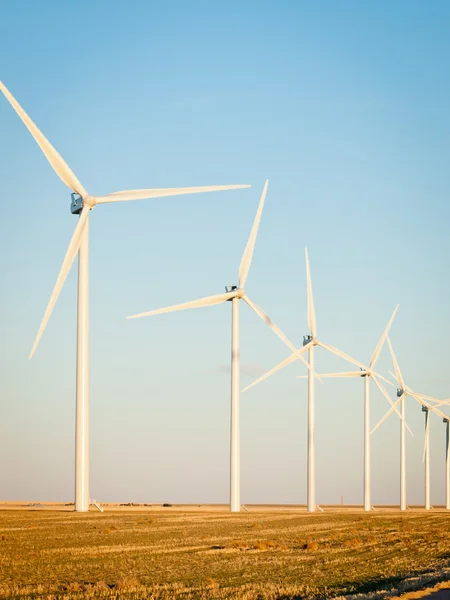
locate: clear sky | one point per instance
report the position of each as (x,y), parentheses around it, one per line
(344,106)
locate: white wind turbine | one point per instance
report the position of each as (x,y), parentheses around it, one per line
(446,420)
(366,375)
(309,343)
(402,392)
(233,294)
(427,408)
(82,204)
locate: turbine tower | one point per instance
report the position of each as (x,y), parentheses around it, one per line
(233,294)
(426,457)
(366,375)
(310,341)
(446,420)
(82,204)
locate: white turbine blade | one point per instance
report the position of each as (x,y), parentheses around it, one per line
(311,311)
(160,192)
(386,415)
(427,434)
(440,403)
(72,250)
(59,165)
(343,374)
(265,317)
(388,381)
(343,355)
(394,377)
(418,398)
(388,398)
(207,301)
(246,259)
(438,412)
(398,373)
(317,376)
(287,361)
(431,399)
(376,352)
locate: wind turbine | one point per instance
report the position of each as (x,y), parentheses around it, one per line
(446,420)
(402,392)
(233,294)
(366,375)
(82,204)
(427,408)
(309,343)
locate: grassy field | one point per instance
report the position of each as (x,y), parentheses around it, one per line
(180,555)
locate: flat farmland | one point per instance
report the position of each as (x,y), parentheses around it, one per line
(211,554)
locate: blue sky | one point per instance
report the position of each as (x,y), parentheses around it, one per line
(344,107)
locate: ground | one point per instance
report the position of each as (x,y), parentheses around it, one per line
(187,553)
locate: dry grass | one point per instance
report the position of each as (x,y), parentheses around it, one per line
(186,556)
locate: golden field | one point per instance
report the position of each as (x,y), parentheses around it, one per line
(182,553)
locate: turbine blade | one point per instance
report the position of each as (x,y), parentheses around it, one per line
(343,355)
(246,259)
(314,374)
(394,377)
(432,399)
(207,301)
(287,361)
(418,399)
(161,192)
(72,250)
(438,412)
(376,352)
(343,374)
(265,317)
(388,398)
(59,165)
(427,434)
(387,415)
(388,381)
(311,311)
(398,373)
(443,403)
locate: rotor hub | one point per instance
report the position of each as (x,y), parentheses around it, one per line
(89,201)
(239,292)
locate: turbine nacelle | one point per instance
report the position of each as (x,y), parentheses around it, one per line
(400,392)
(424,408)
(307,339)
(76,206)
(78,203)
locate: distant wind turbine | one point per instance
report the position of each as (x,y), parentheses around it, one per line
(446,420)
(427,409)
(402,392)
(309,343)
(82,204)
(233,294)
(367,374)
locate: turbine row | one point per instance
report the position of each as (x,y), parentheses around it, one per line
(83,203)
(427,403)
